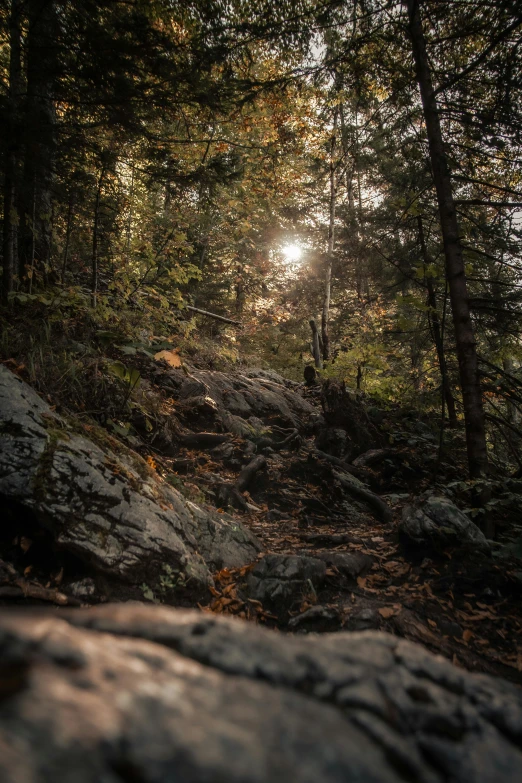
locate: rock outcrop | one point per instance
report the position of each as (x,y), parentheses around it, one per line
(437,522)
(152,694)
(349,431)
(241,402)
(102,502)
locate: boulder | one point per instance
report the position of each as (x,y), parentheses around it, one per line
(344,411)
(260,393)
(141,693)
(436,521)
(334,441)
(102,502)
(280,580)
(349,564)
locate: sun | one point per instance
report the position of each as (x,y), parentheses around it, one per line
(292,253)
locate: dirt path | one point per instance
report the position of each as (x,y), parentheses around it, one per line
(465,608)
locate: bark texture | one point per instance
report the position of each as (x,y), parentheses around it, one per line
(455,271)
(12,150)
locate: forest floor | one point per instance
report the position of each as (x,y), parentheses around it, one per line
(465,608)
(461,604)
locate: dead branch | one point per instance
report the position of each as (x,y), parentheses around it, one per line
(23,589)
(249,471)
(379,508)
(213,315)
(278,445)
(210,439)
(227,493)
(360,473)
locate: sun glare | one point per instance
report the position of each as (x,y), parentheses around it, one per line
(292,253)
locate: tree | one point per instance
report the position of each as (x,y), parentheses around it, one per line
(12,149)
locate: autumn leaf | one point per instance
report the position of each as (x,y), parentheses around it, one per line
(25,543)
(387,611)
(171,357)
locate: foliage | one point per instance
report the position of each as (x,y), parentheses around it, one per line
(161,154)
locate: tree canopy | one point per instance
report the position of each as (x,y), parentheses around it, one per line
(354,164)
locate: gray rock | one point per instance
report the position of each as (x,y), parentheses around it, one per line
(362,619)
(438,522)
(267,375)
(279,580)
(102,502)
(192,387)
(372,457)
(224,451)
(316,619)
(202,405)
(334,441)
(236,425)
(83,588)
(258,393)
(274,515)
(349,564)
(133,692)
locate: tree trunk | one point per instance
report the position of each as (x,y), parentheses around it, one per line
(30,271)
(39,138)
(12,151)
(67,235)
(94,261)
(436,331)
(131,213)
(463,326)
(316,351)
(325,335)
(513,412)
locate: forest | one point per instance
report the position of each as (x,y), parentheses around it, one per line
(260,391)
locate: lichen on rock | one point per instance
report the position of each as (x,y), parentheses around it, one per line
(104,503)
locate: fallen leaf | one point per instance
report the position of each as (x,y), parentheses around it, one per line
(25,543)
(361,581)
(467,635)
(387,611)
(171,357)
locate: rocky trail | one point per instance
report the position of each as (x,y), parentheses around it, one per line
(295,506)
(299,524)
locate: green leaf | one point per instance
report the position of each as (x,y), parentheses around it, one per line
(106,337)
(128,350)
(133,377)
(119,370)
(118,429)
